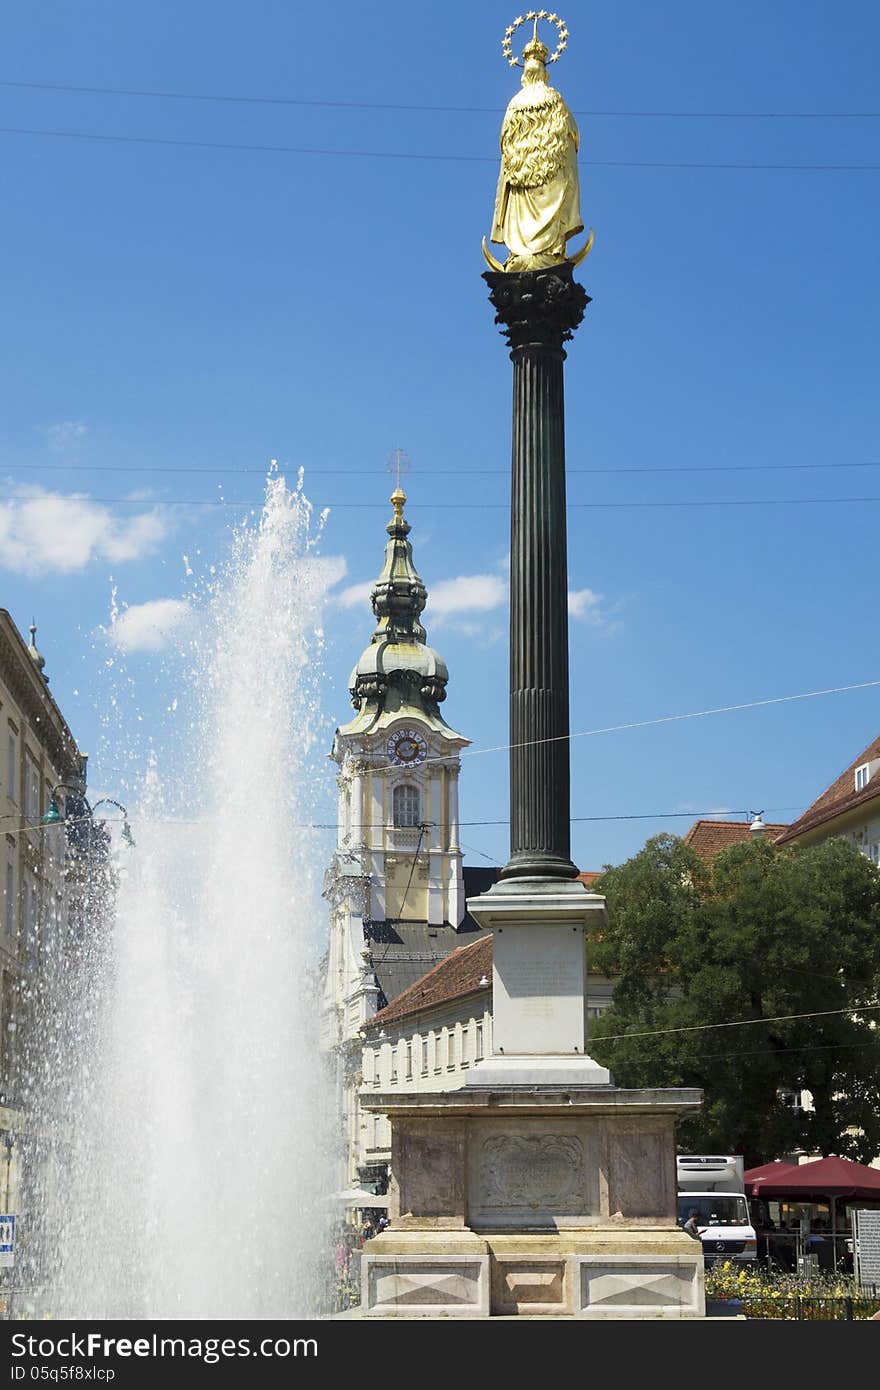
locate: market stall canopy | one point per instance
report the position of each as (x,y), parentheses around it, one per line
(360,1197)
(825,1177)
(755,1178)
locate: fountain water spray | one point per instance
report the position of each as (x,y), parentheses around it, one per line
(182,1167)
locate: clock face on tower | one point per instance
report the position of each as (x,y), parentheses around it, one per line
(407,747)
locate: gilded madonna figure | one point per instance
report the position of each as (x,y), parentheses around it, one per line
(537,204)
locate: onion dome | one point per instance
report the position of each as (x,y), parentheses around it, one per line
(398,668)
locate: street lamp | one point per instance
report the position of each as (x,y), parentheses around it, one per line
(127,836)
(55,816)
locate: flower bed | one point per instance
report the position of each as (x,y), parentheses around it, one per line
(774,1294)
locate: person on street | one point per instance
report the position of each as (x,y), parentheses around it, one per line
(691,1226)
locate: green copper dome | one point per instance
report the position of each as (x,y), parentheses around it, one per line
(398,672)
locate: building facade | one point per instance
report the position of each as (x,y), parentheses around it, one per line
(37,753)
(849,807)
(396,883)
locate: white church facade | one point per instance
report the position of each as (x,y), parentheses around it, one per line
(396,884)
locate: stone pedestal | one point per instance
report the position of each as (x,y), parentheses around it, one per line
(539,983)
(533,1202)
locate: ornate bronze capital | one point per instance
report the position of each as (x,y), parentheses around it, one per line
(537,308)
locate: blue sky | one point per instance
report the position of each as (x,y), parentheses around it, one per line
(172,306)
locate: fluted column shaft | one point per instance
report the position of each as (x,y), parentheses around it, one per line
(539,310)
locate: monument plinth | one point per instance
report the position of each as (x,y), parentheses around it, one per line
(538,1187)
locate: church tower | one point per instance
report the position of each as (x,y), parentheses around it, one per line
(395,884)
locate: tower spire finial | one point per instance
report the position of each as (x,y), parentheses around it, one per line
(34,652)
(398,464)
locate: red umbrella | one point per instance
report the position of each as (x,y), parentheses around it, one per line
(755,1178)
(825,1177)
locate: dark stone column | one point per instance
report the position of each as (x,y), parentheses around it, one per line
(539,311)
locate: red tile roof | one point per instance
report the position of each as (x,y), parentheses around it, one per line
(459,974)
(454,977)
(841,796)
(589,877)
(707,837)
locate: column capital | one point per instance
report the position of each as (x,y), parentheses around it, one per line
(537,308)
(356,766)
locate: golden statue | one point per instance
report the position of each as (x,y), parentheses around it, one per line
(537,206)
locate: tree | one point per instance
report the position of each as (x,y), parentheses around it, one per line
(760,934)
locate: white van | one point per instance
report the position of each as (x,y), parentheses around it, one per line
(712,1186)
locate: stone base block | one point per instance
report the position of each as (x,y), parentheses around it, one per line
(576,1274)
(539,1286)
(535,1073)
(639,1286)
(427,1286)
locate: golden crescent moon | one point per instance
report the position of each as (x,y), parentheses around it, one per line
(490,259)
(584,251)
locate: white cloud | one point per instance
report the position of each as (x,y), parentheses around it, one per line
(468,593)
(471,594)
(356,595)
(146,627)
(64,436)
(42,531)
(586,606)
(330,568)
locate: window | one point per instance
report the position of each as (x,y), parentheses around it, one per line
(873,853)
(409,1061)
(863,776)
(10,900)
(29,909)
(405,805)
(31,790)
(789,1098)
(423,1046)
(450,1050)
(12,764)
(478,1043)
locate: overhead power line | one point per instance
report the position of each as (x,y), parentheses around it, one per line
(737,1023)
(244,470)
(321,103)
(590,733)
(674,718)
(73,498)
(388,826)
(646,724)
(248,148)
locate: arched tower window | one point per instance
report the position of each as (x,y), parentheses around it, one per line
(406,806)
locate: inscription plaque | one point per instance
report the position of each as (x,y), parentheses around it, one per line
(544,1172)
(525,977)
(867,1235)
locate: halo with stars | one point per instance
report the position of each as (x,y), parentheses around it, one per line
(507,41)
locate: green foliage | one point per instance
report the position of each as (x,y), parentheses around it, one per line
(760,933)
